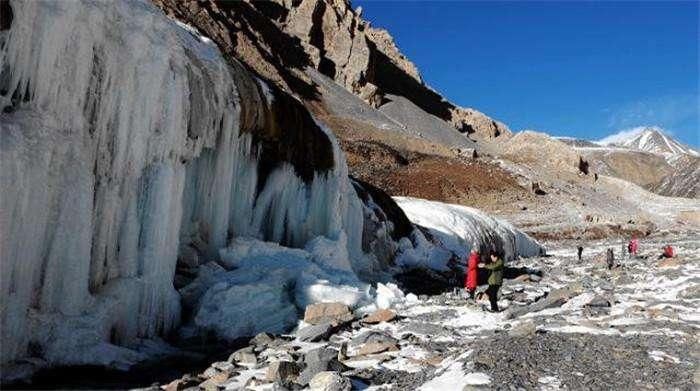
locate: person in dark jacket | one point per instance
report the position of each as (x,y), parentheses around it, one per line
(610,258)
(495,279)
(471,276)
(579,250)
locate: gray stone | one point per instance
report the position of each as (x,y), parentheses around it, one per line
(598,301)
(319,360)
(315,333)
(372,337)
(262,339)
(283,371)
(329,381)
(243,356)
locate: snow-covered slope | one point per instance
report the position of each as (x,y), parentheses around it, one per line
(650,139)
(458,227)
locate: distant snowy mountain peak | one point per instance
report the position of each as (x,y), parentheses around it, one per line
(649,139)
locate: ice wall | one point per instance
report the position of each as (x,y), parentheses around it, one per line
(457,228)
(121,142)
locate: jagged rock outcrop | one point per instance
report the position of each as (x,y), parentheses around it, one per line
(478,125)
(280,38)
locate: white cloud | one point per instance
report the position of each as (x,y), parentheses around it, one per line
(669,111)
(627,134)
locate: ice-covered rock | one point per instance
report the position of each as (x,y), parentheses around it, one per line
(126,136)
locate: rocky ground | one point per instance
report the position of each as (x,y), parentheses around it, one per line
(579,326)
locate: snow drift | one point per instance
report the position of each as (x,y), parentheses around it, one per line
(457,228)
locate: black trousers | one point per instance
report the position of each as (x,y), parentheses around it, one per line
(492,293)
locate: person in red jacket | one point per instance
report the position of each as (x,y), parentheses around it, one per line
(472,270)
(668,252)
(633,246)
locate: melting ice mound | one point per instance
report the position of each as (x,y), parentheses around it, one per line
(270,286)
(456,228)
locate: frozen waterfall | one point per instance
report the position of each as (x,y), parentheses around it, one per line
(122,142)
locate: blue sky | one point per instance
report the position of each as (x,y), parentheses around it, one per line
(582,69)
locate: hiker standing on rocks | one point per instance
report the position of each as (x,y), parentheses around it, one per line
(495,279)
(470,282)
(633,246)
(580,252)
(610,258)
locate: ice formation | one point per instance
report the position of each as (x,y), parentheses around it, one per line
(129,147)
(456,228)
(121,145)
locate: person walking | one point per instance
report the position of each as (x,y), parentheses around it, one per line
(633,246)
(580,252)
(470,279)
(610,258)
(495,278)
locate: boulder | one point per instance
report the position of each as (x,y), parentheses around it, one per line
(315,333)
(283,371)
(213,383)
(243,357)
(319,360)
(329,381)
(380,315)
(262,339)
(335,313)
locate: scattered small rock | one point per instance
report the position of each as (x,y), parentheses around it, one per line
(282,371)
(262,339)
(315,333)
(243,357)
(376,347)
(598,301)
(329,381)
(320,360)
(213,383)
(380,315)
(185,382)
(336,313)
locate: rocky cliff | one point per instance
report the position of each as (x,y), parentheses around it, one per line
(280,38)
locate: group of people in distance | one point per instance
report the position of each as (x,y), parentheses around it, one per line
(495,280)
(632,250)
(496,264)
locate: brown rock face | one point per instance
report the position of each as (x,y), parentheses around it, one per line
(477,124)
(278,39)
(327,313)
